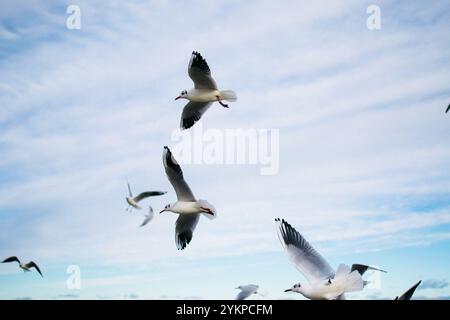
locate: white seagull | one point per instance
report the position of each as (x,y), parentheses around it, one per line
(25,267)
(203,94)
(247,291)
(133,201)
(148,217)
(323,282)
(409,293)
(188,208)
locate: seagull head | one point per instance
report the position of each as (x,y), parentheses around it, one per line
(183,95)
(168,207)
(295,288)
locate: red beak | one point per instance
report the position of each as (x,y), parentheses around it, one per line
(177,97)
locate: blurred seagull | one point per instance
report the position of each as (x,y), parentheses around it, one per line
(247,291)
(148,217)
(133,201)
(409,293)
(323,282)
(205,92)
(25,267)
(187,206)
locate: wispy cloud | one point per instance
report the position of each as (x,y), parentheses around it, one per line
(433,284)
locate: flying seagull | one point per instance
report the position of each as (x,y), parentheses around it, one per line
(247,291)
(148,217)
(409,293)
(133,201)
(448,108)
(323,282)
(203,94)
(188,208)
(25,267)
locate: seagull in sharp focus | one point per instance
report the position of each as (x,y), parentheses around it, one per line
(188,208)
(409,293)
(133,201)
(323,282)
(203,94)
(247,291)
(25,267)
(148,217)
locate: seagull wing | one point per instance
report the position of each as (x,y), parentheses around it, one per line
(243,295)
(184,228)
(147,194)
(362,268)
(448,108)
(31,264)
(247,291)
(129,189)
(408,294)
(148,217)
(192,112)
(11,259)
(307,260)
(200,73)
(175,176)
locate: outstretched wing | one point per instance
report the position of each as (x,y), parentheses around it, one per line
(362,268)
(129,189)
(148,217)
(409,293)
(307,260)
(11,259)
(192,112)
(147,194)
(200,73)
(184,228)
(31,264)
(175,176)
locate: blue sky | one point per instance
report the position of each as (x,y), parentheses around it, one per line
(364,144)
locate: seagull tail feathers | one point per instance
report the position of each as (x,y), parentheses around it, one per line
(209,211)
(228,95)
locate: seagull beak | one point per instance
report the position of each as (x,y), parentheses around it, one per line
(177,97)
(288,290)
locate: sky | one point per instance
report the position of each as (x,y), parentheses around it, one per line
(363,145)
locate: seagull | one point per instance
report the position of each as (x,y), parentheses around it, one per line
(133,201)
(448,108)
(25,267)
(323,282)
(247,291)
(409,293)
(205,92)
(188,208)
(148,217)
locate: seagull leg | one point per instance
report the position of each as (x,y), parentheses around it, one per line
(221,103)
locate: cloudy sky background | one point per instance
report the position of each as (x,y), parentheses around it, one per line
(364,144)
